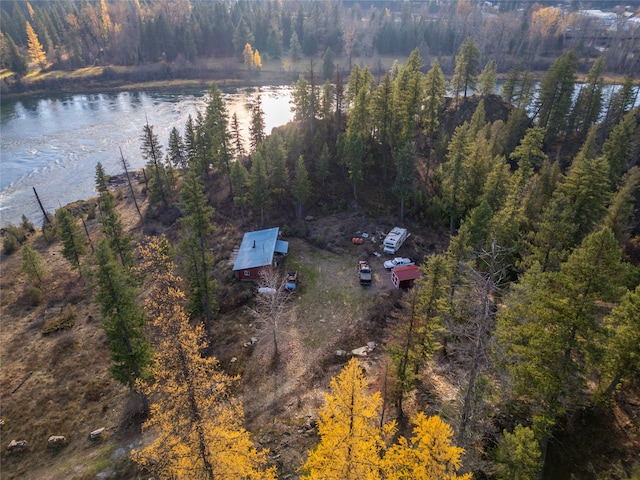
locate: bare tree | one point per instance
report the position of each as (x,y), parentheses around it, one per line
(270,308)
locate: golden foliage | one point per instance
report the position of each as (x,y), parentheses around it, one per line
(428,455)
(36,51)
(545,21)
(351,440)
(196,422)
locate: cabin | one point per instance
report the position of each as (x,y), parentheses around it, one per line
(259,250)
(403,277)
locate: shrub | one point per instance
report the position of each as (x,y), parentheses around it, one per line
(64,322)
(10,244)
(35,296)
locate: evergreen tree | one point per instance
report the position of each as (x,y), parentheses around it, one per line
(466,69)
(33,264)
(414,339)
(256,128)
(488,78)
(518,455)
(409,98)
(453,174)
(36,50)
(240,181)
(151,148)
(242,36)
(382,113)
(548,327)
(429,454)
(622,347)
(197,261)
(618,147)
(236,137)
(328,64)
(197,423)
(12,58)
(259,185)
(301,186)
(322,165)
(215,132)
(406,167)
(350,439)
(177,149)
(555,95)
(589,102)
(302,100)
(529,155)
(74,245)
(276,155)
(623,207)
(119,243)
(295,47)
(123,320)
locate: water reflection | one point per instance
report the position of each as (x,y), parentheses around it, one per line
(54,143)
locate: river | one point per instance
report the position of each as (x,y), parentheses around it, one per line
(53,143)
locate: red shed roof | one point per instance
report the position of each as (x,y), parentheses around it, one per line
(407,273)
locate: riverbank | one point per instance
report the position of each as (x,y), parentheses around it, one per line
(162,76)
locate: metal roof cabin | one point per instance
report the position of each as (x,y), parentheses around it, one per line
(259,249)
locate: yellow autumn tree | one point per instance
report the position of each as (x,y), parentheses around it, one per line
(350,438)
(429,455)
(257,61)
(248,56)
(195,421)
(36,51)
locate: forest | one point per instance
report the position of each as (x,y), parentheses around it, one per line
(70,34)
(532,305)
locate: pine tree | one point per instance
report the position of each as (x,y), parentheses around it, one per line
(123,320)
(466,69)
(33,264)
(240,181)
(36,51)
(177,150)
(158,184)
(453,175)
(322,165)
(256,128)
(488,78)
(589,102)
(429,454)
(259,185)
(555,95)
(276,156)
(406,167)
(295,47)
(74,245)
(216,137)
(197,261)
(408,99)
(618,147)
(236,137)
(301,186)
(518,455)
(350,439)
(548,327)
(196,422)
(622,347)
(623,207)
(110,219)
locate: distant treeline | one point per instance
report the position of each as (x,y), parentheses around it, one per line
(80,33)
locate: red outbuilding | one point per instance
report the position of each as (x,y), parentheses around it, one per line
(403,277)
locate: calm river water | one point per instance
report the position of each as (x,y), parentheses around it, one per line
(54,143)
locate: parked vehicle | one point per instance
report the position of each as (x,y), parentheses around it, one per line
(398,262)
(292,281)
(394,240)
(364,272)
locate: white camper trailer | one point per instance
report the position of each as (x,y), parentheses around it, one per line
(394,240)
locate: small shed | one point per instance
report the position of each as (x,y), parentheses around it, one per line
(259,249)
(403,277)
